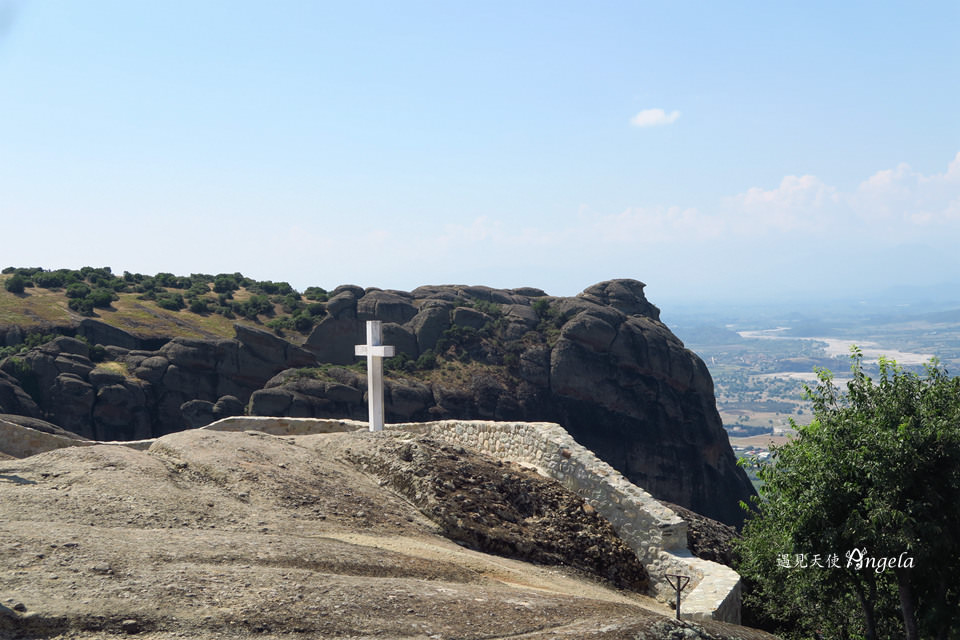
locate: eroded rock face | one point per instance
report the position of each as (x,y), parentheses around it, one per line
(600,363)
(187,382)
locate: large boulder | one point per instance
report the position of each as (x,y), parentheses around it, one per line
(386,306)
(72,399)
(97,332)
(429,324)
(467,317)
(334,338)
(14,400)
(272,349)
(623,295)
(120,411)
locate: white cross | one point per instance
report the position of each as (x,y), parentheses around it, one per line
(375,351)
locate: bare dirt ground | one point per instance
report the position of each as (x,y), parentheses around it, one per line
(235,535)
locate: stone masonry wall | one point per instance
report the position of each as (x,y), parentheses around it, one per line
(656,534)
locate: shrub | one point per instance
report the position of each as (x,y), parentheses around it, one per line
(303,322)
(225,284)
(16,283)
(427,360)
(165,279)
(541,307)
(489,308)
(83,306)
(279,324)
(292,303)
(198,289)
(272,288)
(400,362)
(77,290)
(198,305)
(102,297)
(170,301)
(318,294)
(260,304)
(49,279)
(98,353)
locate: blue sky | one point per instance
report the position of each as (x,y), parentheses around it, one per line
(712,150)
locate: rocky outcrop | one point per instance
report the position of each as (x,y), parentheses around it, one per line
(139,394)
(600,363)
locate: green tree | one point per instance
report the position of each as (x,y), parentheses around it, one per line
(318,294)
(15,283)
(102,297)
(876,474)
(49,279)
(224,283)
(77,290)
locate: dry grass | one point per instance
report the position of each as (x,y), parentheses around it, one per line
(146,320)
(41,308)
(34,308)
(114,367)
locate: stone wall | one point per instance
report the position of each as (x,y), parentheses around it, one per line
(656,534)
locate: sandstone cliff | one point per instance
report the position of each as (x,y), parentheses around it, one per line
(601,364)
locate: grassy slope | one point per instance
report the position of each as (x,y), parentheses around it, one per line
(39,308)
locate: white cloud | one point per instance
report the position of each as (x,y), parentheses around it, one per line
(895,196)
(798,202)
(654,118)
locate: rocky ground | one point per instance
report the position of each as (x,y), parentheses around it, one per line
(226,535)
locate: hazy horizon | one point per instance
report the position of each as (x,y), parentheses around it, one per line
(797,151)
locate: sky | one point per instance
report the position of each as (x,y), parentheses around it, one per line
(715,151)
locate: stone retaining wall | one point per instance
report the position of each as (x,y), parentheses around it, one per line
(656,533)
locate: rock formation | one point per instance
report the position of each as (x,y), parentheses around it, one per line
(601,364)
